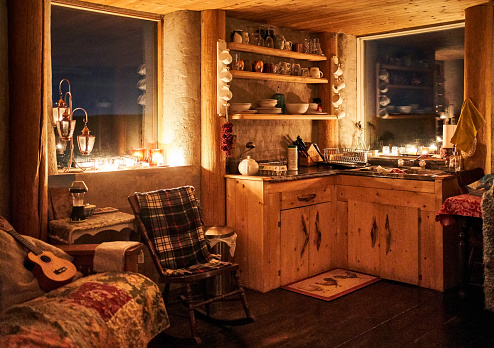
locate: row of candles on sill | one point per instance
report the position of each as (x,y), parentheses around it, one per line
(410,150)
(139,158)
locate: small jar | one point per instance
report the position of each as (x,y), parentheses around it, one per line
(292,157)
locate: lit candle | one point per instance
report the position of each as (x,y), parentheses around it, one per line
(139,154)
(157,157)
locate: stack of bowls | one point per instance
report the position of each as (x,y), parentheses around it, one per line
(268,103)
(268,106)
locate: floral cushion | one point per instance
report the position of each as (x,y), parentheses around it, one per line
(102,310)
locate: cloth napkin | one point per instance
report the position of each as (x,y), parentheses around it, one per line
(109,256)
(468,125)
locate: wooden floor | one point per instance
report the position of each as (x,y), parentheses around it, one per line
(384,314)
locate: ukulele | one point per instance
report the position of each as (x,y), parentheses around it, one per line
(50,270)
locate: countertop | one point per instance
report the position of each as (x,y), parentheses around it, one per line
(325,170)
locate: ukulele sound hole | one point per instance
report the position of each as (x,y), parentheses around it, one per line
(45,258)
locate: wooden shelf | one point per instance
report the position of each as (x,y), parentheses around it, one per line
(281,117)
(409,86)
(407,116)
(239,74)
(405,68)
(233,46)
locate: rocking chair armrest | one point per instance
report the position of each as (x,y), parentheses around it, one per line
(84,254)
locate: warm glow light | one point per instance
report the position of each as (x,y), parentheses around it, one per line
(425,150)
(386,150)
(139,154)
(394,151)
(157,157)
(176,157)
(411,150)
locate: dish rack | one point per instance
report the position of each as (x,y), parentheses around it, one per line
(344,156)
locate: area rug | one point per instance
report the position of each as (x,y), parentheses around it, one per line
(332,284)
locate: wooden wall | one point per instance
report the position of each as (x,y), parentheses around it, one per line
(479,71)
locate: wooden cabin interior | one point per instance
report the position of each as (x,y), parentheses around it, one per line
(443,46)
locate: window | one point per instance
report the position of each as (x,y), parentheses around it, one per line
(110,61)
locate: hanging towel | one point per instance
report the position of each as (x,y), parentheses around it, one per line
(468,125)
(109,256)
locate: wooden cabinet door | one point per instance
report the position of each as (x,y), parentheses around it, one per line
(322,238)
(295,239)
(399,239)
(363,237)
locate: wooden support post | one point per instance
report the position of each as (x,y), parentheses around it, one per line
(479,72)
(213,168)
(327,130)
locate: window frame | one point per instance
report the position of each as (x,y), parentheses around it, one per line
(151,123)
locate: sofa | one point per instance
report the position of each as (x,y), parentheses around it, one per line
(109,309)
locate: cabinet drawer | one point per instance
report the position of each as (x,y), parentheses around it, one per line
(295,199)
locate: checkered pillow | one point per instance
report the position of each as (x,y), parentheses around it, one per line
(174,225)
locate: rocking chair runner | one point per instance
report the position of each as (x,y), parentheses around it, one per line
(170,224)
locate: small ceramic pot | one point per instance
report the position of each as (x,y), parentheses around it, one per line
(248,166)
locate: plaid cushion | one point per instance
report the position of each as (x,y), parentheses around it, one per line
(174,225)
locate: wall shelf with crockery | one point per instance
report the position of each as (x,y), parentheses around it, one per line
(281,117)
(240,74)
(233,46)
(409,116)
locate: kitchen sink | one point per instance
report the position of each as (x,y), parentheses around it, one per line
(398,172)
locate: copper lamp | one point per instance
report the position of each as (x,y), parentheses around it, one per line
(65,124)
(85,140)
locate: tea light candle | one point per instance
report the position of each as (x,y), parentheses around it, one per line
(386,150)
(139,154)
(157,157)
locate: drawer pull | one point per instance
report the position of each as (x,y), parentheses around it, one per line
(306,198)
(374,232)
(306,233)
(318,232)
(388,235)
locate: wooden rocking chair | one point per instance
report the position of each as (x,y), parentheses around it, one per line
(170,224)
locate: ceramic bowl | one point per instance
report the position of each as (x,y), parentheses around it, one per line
(297,108)
(404,109)
(268,103)
(239,107)
(313,106)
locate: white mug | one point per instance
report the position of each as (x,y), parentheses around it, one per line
(383,87)
(315,72)
(337,100)
(225,57)
(225,93)
(338,71)
(340,114)
(338,86)
(226,75)
(384,100)
(383,113)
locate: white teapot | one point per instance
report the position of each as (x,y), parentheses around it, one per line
(248,166)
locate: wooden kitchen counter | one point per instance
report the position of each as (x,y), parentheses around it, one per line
(295,226)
